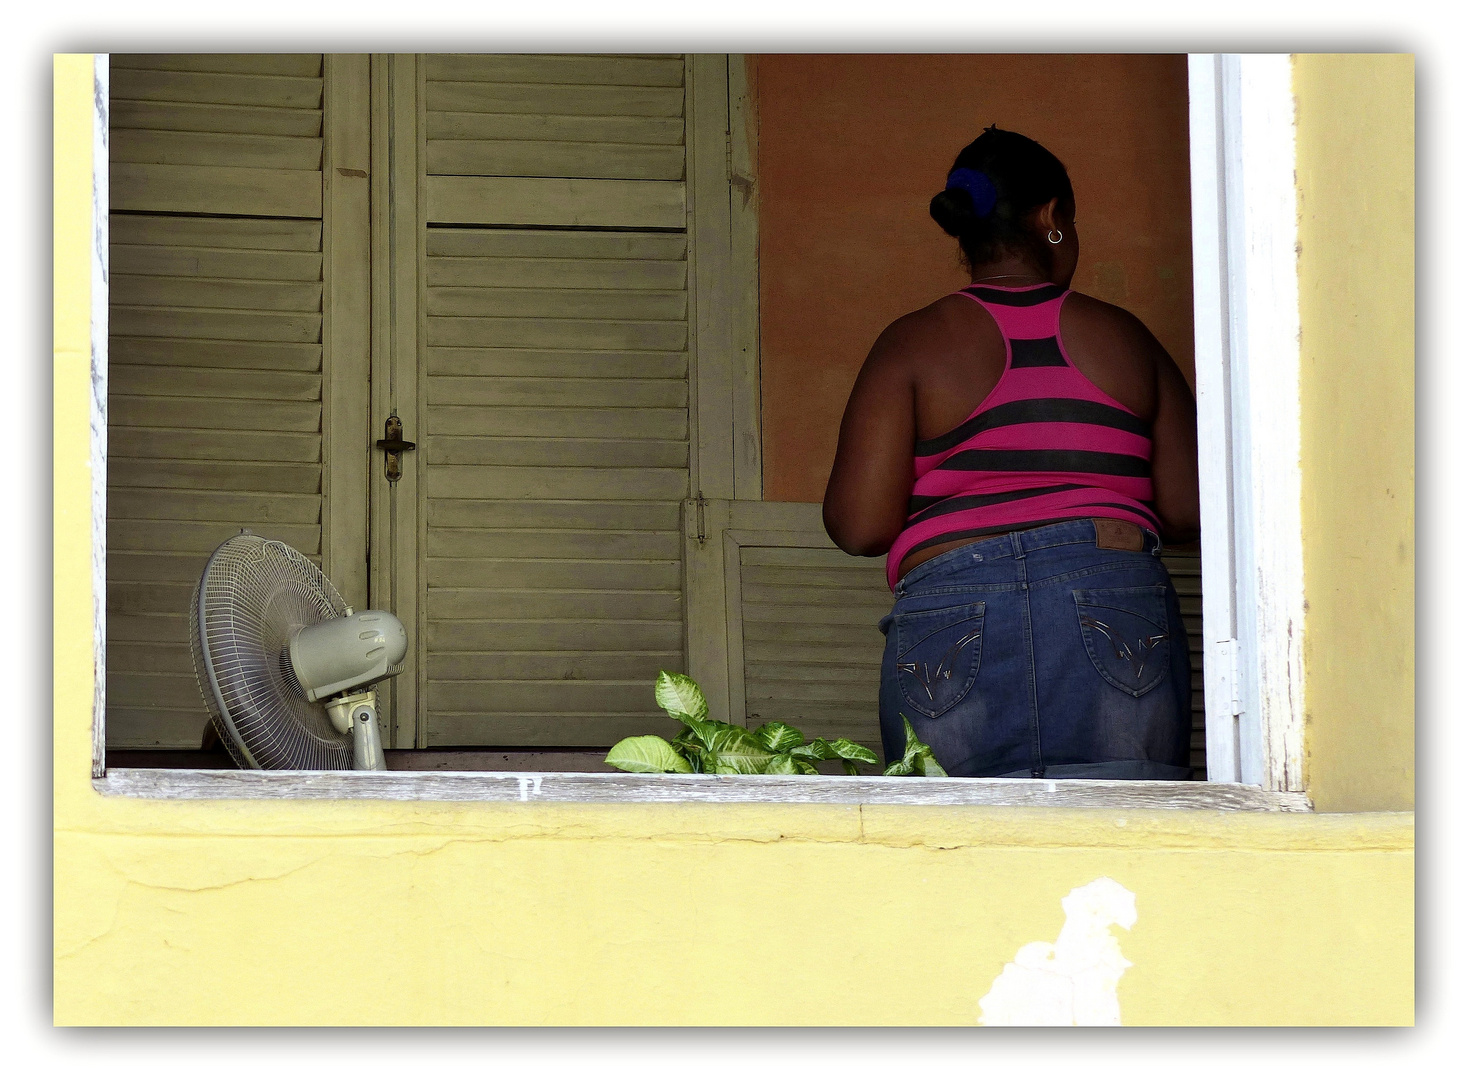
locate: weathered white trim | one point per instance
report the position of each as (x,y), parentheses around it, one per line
(1215,454)
(1270,334)
(1247,323)
(97,424)
(633,788)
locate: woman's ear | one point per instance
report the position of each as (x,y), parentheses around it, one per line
(1048,216)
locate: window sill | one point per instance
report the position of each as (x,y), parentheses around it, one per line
(445,786)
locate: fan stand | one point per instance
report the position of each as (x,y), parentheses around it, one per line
(357,713)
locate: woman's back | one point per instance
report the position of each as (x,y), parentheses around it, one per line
(944,360)
(1044,441)
(957,354)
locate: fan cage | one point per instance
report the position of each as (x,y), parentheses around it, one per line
(253,596)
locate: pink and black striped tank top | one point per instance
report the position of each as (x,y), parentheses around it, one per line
(1046,445)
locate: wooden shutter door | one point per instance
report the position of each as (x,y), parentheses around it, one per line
(553,397)
(222,353)
(804,646)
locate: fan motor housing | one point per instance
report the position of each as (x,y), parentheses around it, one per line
(342,654)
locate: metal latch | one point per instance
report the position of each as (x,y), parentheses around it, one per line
(693,518)
(393,448)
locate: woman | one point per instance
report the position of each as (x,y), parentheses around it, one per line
(1019,452)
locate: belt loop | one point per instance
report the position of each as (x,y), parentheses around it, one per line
(1017,545)
(1157,546)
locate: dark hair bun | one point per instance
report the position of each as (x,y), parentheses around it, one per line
(953,210)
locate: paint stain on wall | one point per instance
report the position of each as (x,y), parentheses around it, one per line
(1073,981)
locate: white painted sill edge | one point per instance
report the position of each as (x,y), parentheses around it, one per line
(632,788)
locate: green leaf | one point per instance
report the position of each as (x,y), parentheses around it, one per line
(777,737)
(850,751)
(917,757)
(741,762)
(805,767)
(784,765)
(681,697)
(704,731)
(647,754)
(913,742)
(816,750)
(730,738)
(927,765)
(850,767)
(690,748)
(736,750)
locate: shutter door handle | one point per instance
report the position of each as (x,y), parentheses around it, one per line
(393,447)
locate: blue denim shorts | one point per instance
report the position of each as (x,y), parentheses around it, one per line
(1039,654)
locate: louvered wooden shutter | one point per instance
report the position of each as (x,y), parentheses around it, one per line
(1187,577)
(556,396)
(812,649)
(215,351)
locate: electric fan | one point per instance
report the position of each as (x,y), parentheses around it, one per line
(285,667)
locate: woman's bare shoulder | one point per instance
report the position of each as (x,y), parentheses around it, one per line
(919,330)
(1106,324)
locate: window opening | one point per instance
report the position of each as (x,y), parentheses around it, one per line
(233,281)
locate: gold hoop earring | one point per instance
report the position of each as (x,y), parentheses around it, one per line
(1055,236)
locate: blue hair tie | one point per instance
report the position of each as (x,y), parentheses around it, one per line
(980,188)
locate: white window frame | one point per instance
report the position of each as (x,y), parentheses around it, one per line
(1247,329)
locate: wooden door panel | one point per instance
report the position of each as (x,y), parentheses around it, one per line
(552,396)
(222,351)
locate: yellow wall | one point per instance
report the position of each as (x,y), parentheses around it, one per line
(270,914)
(1355,175)
(419,913)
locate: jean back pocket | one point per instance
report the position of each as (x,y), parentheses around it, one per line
(1126,635)
(938,655)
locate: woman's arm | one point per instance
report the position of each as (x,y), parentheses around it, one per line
(871,480)
(1175,453)
(1115,350)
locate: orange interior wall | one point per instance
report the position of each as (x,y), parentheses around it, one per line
(852,147)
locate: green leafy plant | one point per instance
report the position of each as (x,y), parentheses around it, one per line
(712,746)
(917,759)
